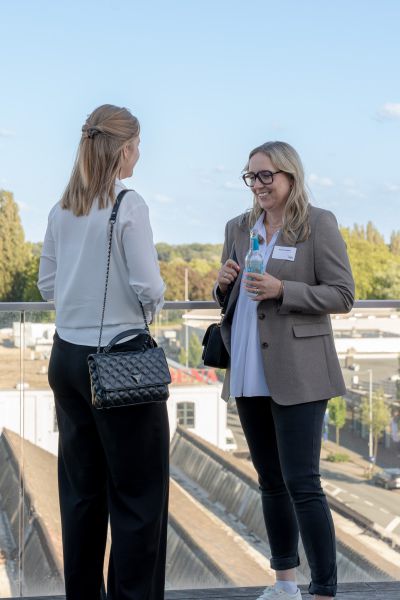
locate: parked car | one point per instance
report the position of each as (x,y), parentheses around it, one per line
(388,478)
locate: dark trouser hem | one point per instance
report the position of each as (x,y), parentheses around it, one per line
(322,590)
(281,564)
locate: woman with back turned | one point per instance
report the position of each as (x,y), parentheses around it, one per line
(113,464)
(283,363)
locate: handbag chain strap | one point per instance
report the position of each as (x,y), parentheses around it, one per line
(225,302)
(112,220)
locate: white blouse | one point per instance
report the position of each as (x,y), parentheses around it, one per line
(247,372)
(73,268)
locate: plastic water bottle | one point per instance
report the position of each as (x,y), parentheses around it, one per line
(254,262)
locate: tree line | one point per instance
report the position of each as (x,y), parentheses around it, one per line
(375,264)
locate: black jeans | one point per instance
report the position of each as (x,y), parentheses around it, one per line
(113,465)
(285,445)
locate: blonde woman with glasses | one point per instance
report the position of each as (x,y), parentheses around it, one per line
(283,364)
(112,464)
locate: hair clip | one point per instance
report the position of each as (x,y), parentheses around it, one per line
(91,132)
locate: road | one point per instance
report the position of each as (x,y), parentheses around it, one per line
(346,482)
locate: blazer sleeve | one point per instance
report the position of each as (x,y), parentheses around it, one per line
(334,290)
(217,294)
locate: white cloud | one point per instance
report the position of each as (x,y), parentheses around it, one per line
(355,193)
(392,187)
(314,179)
(163,199)
(6,133)
(390,110)
(276,126)
(23,206)
(349,182)
(220,169)
(233,185)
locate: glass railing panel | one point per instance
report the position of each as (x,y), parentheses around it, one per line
(215,509)
(366,515)
(12,498)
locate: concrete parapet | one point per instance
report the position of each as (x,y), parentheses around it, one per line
(231,483)
(34,547)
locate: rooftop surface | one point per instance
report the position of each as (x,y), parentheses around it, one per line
(348,591)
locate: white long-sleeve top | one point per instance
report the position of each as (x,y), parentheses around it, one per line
(247,371)
(73,268)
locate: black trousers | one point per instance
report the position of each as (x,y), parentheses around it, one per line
(113,465)
(285,446)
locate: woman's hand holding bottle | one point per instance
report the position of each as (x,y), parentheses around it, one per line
(262,286)
(258,284)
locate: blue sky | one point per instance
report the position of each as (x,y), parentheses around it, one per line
(208,80)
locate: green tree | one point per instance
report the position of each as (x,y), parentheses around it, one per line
(373,235)
(182,356)
(375,268)
(13,252)
(165,252)
(195,351)
(189,252)
(201,279)
(337,414)
(381,417)
(30,292)
(395,243)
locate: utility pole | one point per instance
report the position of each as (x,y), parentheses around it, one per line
(371,439)
(186,325)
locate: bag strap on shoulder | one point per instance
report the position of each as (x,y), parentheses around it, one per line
(112,220)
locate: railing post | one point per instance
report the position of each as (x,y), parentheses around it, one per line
(21,508)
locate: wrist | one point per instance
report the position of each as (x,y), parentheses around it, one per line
(281,290)
(221,292)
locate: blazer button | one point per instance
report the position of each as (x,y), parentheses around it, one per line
(261,316)
(265,344)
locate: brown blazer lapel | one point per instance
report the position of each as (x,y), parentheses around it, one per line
(238,252)
(242,245)
(274,265)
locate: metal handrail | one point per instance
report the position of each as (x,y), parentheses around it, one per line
(178,305)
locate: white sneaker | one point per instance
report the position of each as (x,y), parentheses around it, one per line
(271,593)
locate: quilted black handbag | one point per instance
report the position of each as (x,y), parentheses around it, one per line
(130,377)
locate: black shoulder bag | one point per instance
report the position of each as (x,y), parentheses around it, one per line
(131,377)
(215,353)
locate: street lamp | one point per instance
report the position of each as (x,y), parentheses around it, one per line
(370,441)
(370,436)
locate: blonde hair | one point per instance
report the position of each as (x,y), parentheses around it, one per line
(106,131)
(295,217)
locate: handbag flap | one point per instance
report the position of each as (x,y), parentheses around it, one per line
(209,333)
(122,370)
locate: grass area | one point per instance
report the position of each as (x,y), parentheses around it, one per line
(338,457)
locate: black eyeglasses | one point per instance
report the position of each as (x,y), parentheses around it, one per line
(265,177)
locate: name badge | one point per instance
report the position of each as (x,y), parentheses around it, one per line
(284,253)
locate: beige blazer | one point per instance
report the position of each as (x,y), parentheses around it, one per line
(299,355)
